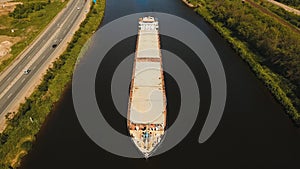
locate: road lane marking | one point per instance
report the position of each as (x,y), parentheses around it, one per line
(9,95)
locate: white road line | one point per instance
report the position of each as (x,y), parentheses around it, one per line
(22,80)
(8,78)
(9,95)
(15,79)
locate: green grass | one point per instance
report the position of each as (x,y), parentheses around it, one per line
(28,28)
(17,138)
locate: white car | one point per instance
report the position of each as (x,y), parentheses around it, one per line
(26,71)
(78,8)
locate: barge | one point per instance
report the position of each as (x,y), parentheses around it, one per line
(146,117)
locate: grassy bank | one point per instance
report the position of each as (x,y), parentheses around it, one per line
(242,31)
(17,139)
(27,21)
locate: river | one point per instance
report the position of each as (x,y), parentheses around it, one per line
(253,133)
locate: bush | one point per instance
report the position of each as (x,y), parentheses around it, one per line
(3,138)
(22,10)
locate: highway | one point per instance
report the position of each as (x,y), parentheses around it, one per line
(13,81)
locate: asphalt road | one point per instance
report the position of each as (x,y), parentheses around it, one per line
(13,80)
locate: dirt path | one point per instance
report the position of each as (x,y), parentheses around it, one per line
(287,8)
(279,19)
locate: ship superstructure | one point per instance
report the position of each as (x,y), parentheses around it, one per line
(147,101)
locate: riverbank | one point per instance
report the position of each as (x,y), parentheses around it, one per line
(17,138)
(278,87)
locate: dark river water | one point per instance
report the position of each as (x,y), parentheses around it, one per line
(253,133)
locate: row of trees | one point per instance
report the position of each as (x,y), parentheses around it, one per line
(23,10)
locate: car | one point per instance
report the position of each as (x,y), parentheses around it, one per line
(54,45)
(26,71)
(78,8)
